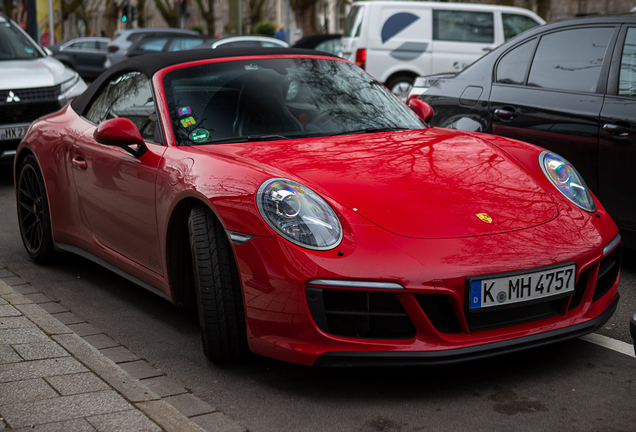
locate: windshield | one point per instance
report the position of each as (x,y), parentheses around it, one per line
(14,45)
(279,99)
(354,22)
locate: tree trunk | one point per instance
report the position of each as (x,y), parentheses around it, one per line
(141,13)
(258,10)
(110,21)
(207,12)
(7,8)
(543,9)
(305,13)
(168,10)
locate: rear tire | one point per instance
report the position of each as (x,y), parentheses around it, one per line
(34,218)
(401,86)
(218,289)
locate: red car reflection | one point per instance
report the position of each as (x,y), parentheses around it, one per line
(312,217)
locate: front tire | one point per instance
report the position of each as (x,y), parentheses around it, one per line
(34,218)
(218,289)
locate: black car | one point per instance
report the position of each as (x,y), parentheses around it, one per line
(568,86)
(85,55)
(321,42)
(163,43)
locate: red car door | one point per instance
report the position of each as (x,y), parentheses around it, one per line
(117,189)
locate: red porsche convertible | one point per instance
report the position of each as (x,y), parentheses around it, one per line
(313,217)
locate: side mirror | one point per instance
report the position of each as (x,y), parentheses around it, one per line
(121,132)
(421,108)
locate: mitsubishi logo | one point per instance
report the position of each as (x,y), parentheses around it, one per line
(12,97)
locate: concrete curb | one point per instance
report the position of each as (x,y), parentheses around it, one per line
(127,374)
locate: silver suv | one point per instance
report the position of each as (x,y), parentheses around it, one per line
(32,84)
(125,38)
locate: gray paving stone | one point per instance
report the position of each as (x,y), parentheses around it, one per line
(124,421)
(15,298)
(38,298)
(26,391)
(21,336)
(9,311)
(107,370)
(15,322)
(79,425)
(43,319)
(140,370)
(5,288)
(64,408)
(217,422)
(53,307)
(3,301)
(39,368)
(190,405)
(4,273)
(77,383)
(67,318)
(41,350)
(168,417)
(25,289)
(119,354)
(101,341)
(14,280)
(83,329)
(8,355)
(164,386)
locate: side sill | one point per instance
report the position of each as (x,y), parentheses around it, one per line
(101,262)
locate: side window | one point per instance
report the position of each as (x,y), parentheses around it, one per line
(570,59)
(82,45)
(462,26)
(514,64)
(154,45)
(102,46)
(129,96)
(514,24)
(627,80)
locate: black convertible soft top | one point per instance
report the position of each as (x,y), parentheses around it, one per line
(149,64)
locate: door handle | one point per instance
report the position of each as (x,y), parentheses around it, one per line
(506,114)
(486,49)
(80,163)
(618,130)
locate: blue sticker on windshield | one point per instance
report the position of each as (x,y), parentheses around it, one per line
(396,23)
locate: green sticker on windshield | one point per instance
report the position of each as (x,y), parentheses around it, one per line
(199,135)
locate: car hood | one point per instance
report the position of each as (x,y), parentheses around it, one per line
(41,72)
(425,184)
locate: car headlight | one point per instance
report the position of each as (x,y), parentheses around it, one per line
(67,85)
(298,214)
(71,89)
(567,179)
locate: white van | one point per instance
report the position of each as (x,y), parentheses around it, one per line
(397,41)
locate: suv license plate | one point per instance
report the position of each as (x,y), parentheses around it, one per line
(506,290)
(14,132)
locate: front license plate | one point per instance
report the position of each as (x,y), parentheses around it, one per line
(13,132)
(518,288)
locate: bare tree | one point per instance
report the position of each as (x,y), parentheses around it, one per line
(305,13)
(141,13)
(168,10)
(259,9)
(86,11)
(543,9)
(111,14)
(207,12)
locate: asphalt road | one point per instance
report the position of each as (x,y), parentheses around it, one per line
(570,386)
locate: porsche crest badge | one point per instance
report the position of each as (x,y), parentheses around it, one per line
(484,217)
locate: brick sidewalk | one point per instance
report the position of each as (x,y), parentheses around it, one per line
(53,380)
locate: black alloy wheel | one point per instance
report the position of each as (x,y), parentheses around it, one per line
(33,212)
(218,289)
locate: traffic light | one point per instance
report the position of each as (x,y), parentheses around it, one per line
(124,13)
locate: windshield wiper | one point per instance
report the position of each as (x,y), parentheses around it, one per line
(371,130)
(247,138)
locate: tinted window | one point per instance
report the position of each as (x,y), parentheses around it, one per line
(184,44)
(83,45)
(102,45)
(267,44)
(240,100)
(129,96)
(331,46)
(154,45)
(514,24)
(627,82)
(462,26)
(570,59)
(513,65)
(354,22)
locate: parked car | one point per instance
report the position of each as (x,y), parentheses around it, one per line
(125,38)
(397,41)
(566,86)
(244,42)
(85,55)
(164,43)
(321,42)
(312,216)
(32,84)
